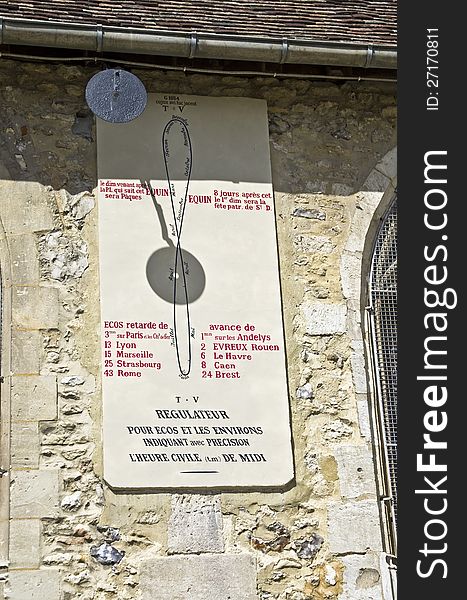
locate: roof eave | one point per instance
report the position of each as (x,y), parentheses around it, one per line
(104,39)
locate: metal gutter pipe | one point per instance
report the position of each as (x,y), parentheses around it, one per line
(97,38)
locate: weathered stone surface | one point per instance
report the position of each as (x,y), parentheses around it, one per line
(25,544)
(23,206)
(356,471)
(35,307)
(34,398)
(304,392)
(224,577)
(336,430)
(376,182)
(26,351)
(25,445)
(24,259)
(363,416)
(319,243)
(34,585)
(80,204)
(309,213)
(106,554)
(362,578)
(350,270)
(325,319)
(34,494)
(388,164)
(366,205)
(359,373)
(47,127)
(63,257)
(354,527)
(195,524)
(71,502)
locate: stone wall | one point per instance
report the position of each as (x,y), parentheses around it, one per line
(66,535)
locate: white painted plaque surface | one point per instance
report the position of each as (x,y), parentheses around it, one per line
(193,358)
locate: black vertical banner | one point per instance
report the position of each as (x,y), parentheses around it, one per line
(432,323)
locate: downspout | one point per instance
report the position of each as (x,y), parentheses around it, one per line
(97,38)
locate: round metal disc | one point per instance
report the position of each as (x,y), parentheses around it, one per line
(116,95)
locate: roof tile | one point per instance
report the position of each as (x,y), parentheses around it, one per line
(355,21)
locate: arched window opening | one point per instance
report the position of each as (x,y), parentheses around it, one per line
(382,319)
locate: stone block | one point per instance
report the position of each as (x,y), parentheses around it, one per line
(325,319)
(195,524)
(25,446)
(360,223)
(26,352)
(362,578)
(204,577)
(35,307)
(34,585)
(34,398)
(354,320)
(376,182)
(25,536)
(363,416)
(356,471)
(24,259)
(354,527)
(359,374)
(24,208)
(350,269)
(34,494)
(388,164)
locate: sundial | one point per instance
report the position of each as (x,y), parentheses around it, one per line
(116,95)
(193,355)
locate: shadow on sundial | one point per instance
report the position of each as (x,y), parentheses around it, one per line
(160,273)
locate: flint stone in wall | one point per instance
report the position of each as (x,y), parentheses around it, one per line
(305,392)
(309,213)
(63,257)
(80,205)
(71,502)
(106,554)
(195,525)
(199,577)
(325,319)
